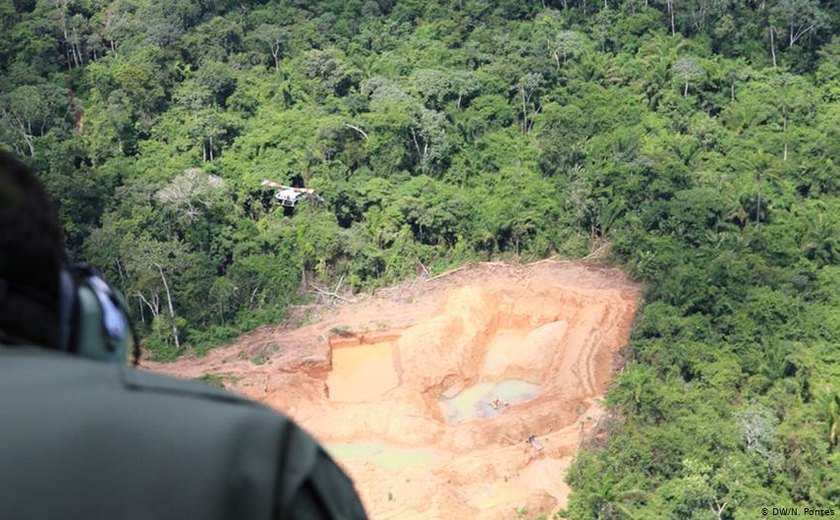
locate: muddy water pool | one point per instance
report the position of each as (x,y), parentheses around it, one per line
(362,373)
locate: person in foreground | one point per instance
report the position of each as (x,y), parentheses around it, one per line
(83,436)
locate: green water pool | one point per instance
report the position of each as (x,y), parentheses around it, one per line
(475,402)
(382,454)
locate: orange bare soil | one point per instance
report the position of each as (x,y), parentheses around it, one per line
(427,393)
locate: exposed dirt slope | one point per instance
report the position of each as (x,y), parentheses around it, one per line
(368,379)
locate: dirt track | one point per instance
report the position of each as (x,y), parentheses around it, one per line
(368,379)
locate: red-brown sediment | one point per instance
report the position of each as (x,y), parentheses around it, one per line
(366,379)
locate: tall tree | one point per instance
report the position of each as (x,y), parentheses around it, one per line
(271,37)
(153,265)
(526,88)
(798,18)
(687,69)
(565,44)
(29,111)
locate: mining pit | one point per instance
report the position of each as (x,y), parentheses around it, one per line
(461,396)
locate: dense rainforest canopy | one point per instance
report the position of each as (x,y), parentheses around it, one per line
(699,140)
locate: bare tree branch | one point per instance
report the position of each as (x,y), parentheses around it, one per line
(356,128)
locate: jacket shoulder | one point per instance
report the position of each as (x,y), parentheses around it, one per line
(140,380)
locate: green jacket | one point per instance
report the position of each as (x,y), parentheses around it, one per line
(86,440)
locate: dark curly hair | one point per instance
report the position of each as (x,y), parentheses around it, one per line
(31,256)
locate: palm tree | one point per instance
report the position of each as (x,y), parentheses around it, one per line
(821,241)
(764,168)
(608,496)
(831,409)
(775,363)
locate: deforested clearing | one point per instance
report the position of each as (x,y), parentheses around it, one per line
(467,394)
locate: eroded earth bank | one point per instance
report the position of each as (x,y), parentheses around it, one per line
(464,396)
